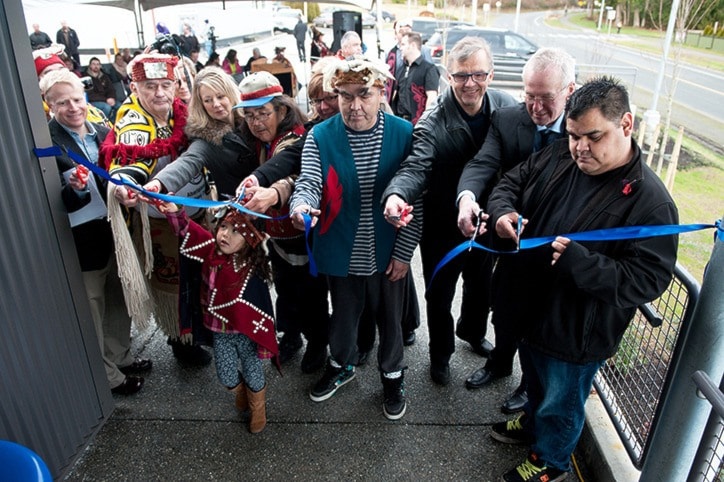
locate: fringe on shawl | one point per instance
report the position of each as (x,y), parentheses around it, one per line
(136,290)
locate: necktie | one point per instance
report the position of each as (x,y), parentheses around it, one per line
(543,138)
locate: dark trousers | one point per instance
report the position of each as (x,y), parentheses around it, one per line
(301,305)
(351,296)
(476,269)
(410,318)
(500,361)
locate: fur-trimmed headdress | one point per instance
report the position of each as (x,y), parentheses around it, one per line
(356,70)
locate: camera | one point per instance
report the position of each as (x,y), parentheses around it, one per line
(168,44)
(87,83)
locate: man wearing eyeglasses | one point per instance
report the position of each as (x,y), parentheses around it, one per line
(444,139)
(515,133)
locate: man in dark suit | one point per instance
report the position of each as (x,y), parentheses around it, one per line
(515,133)
(444,139)
(83,194)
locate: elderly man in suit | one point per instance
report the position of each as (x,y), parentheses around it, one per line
(515,133)
(84,194)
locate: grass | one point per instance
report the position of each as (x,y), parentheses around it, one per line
(653,43)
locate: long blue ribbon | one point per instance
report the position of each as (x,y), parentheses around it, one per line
(185,201)
(307,233)
(608,234)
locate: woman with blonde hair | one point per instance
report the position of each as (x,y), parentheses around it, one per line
(213,127)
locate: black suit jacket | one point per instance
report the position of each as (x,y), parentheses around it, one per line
(94,239)
(508,143)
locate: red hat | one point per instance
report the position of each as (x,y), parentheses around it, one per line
(42,62)
(152,67)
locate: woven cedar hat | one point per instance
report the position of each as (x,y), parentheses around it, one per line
(258,88)
(152,67)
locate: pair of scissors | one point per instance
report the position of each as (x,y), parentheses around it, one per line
(478,220)
(518,230)
(407,210)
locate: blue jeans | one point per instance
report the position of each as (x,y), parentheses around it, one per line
(557,393)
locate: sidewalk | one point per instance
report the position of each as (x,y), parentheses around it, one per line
(184,426)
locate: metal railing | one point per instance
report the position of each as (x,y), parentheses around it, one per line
(632,382)
(709,462)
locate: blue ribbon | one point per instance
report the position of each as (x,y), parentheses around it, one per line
(608,234)
(185,201)
(307,233)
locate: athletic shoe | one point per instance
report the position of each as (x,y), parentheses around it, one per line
(534,470)
(512,431)
(394,404)
(330,382)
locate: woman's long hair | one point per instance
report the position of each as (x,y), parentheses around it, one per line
(219,82)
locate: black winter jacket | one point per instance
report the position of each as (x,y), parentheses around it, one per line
(441,146)
(578,309)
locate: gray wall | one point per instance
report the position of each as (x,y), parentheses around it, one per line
(53,392)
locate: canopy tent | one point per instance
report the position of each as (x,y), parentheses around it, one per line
(137,6)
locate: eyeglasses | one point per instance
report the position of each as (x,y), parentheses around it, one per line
(478,77)
(260,116)
(543,99)
(327,100)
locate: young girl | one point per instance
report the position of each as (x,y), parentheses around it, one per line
(236,300)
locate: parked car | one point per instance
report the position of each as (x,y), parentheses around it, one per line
(326,19)
(510,50)
(285,19)
(387,17)
(427,26)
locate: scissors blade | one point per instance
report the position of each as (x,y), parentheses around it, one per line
(517,231)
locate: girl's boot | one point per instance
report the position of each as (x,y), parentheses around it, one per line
(257,406)
(241,400)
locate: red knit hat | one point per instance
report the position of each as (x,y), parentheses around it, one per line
(152,67)
(42,62)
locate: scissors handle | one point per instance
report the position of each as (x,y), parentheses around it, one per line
(478,220)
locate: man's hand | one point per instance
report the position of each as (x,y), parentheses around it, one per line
(78,179)
(259,199)
(247,182)
(559,246)
(298,219)
(468,211)
(397,212)
(396,270)
(507,226)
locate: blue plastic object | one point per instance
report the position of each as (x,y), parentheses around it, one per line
(20,464)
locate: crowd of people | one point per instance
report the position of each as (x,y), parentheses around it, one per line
(383,162)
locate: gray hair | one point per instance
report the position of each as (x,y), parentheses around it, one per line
(350,34)
(466,48)
(552,58)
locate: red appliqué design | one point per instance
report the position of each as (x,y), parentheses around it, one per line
(331,200)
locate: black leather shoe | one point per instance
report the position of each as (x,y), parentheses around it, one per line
(480,378)
(289,346)
(482,347)
(314,358)
(362,357)
(129,386)
(515,402)
(409,338)
(139,365)
(440,374)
